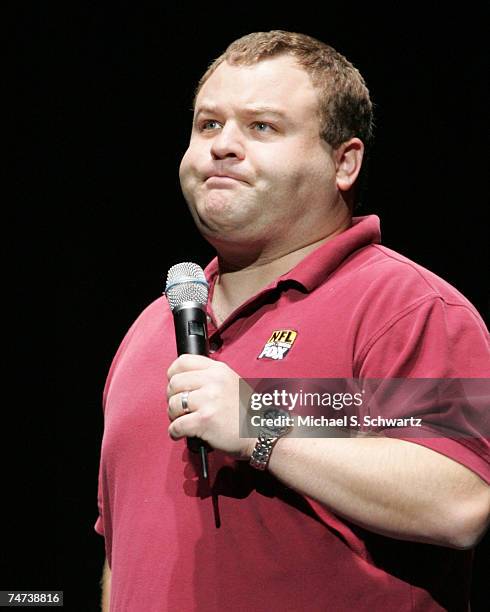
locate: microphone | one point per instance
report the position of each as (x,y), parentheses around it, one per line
(187,294)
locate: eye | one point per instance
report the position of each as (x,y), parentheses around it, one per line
(208,125)
(261,126)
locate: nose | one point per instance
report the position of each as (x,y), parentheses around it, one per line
(228,142)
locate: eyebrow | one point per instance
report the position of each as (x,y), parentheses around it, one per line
(264,110)
(247,110)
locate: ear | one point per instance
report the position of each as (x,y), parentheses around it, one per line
(348,161)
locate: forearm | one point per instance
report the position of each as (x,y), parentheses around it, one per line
(393,487)
(106,588)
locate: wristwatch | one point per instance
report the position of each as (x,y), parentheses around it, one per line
(278,423)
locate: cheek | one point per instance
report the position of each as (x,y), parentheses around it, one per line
(188,174)
(274,170)
(308,173)
(285,164)
(185,165)
(287,178)
(194,158)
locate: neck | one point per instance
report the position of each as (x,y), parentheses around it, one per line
(238,282)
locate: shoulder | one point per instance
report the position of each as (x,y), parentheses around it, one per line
(409,317)
(151,326)
(391,283)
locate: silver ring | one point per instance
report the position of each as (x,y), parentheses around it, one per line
(184,400)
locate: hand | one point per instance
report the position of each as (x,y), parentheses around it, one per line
(213,404)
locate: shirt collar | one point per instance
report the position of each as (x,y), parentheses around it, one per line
(317,266)
(320,263)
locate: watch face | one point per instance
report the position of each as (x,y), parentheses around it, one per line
(275,422)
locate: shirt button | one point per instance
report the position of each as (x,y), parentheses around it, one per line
(208,318)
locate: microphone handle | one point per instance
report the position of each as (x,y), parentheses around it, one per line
(191,331)
(192,338)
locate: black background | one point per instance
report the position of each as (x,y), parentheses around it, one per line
(103,116)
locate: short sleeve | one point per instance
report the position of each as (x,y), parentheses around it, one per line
(438,340)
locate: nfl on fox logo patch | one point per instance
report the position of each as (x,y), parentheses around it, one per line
(279,344)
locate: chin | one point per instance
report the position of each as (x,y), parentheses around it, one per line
(222,214)
(218,202)
(217,229)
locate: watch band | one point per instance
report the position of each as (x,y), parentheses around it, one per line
(262,452)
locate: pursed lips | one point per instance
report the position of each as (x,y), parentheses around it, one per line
(223,178)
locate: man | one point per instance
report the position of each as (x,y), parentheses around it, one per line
(271,177)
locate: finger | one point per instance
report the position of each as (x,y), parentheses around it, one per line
(176,407)
(187,362)
(185,381)
(186,426)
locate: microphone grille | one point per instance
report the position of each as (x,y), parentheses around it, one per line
(186,283)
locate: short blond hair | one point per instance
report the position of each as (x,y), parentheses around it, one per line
(345,106)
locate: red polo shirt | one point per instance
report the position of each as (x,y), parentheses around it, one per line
(355,309)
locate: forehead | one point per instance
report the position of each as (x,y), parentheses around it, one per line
(276,82)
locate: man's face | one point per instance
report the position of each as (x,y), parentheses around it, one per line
(257,170)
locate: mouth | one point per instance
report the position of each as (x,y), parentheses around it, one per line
(223,179)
